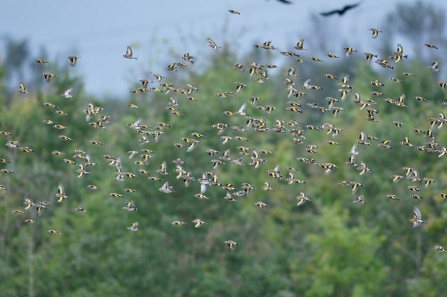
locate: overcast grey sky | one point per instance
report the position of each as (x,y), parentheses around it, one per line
(100,30)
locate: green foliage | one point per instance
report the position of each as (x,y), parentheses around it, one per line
(344,259)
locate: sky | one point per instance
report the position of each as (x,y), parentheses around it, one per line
(99,31)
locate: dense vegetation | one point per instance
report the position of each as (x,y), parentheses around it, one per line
(328,246)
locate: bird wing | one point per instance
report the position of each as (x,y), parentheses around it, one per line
(60,189)
(137,123)
(300,202)
(211,42)
(129,51)
(417,212)
(350,6)
(191,146)
(401,98)
(202,188)
(88,159)
(68,92)
(165,186)
(242,108)
(362,135)
(255,153)
(330,12)
(341,11)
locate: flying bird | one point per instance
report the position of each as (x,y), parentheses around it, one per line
(129,53)
(233,11)
(22,89)
(212,44)
(68,93)
(231,244)
(73,60)
(416,217)
(341,11)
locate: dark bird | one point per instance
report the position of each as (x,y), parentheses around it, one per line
(285,1)
(341,11)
